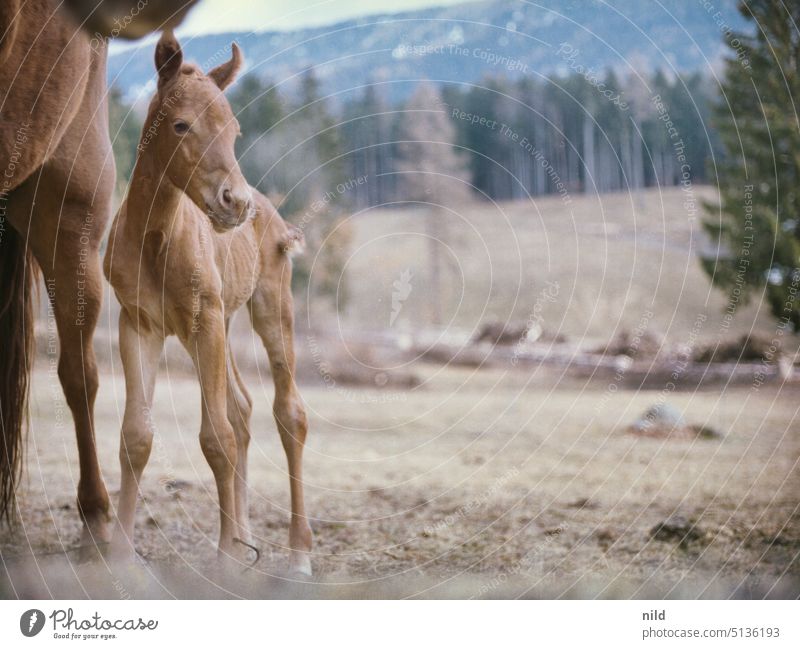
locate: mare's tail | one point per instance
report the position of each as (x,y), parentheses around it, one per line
(16,348)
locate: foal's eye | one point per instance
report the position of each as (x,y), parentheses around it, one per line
(181,127)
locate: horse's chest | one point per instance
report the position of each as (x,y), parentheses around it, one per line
(164,286)
(180,280)
(238,267)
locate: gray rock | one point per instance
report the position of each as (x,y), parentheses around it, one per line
(660,415)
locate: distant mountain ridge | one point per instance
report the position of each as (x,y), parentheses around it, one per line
(464,43)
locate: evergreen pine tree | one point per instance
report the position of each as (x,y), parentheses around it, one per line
(758,221)
(258,108)
(432,172)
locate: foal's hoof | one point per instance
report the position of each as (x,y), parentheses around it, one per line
(95,538)
(300,566)
(91,551)
(122,553)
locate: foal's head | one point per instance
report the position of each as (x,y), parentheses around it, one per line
(196,132)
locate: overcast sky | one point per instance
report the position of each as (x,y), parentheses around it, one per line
(260,15)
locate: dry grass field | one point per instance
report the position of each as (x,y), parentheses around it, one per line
(478,485)
(498,482)
(612,256)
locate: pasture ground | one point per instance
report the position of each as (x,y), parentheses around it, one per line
(475,484)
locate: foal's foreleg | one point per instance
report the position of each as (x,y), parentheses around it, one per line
(271,311)
(206,345)
(140,350)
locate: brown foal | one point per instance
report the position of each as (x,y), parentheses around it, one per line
(193,243)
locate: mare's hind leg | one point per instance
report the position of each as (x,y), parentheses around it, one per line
(70,204)
(271,312)
(240,407)
(74,285)
(140,350)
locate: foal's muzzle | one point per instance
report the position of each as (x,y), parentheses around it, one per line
(231,208)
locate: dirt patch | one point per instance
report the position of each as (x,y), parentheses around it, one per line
(477,486)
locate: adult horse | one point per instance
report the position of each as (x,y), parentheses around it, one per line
(127,18)
(56,180)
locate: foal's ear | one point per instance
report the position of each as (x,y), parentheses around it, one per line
(224,75)
(169,56)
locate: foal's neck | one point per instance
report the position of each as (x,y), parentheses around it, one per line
(153,201)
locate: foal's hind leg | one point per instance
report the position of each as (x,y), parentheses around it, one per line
(240,407)
(271,312)
(140,351)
